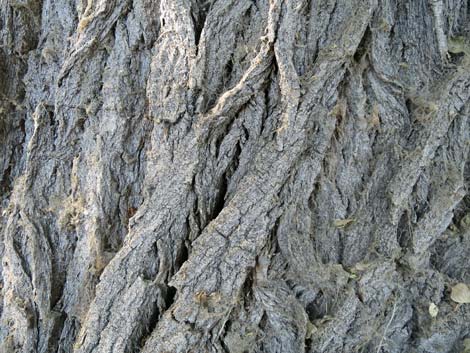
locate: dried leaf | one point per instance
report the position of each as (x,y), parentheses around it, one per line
(433,310)
(362,266)
(342,223)
(466,345)
(353,276)
(460,293)
(311,329)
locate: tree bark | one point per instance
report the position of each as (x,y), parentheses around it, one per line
(234,175)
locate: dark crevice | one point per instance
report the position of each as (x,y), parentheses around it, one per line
(308,344)
(54,338)
(228,71)
(53,123)
(199,13)
(168,294)
(220,198)
(58,288)
(413,325)
(221,184)
(263,325)
(169,297)
(197,30)
(247,289)
(409,105)
(5,182)
(149,327)
(272,86)
(318,308)
(363,46)
(462,210)
(403,231)
(23,128)
(225,348)
(197,219)
(181,257)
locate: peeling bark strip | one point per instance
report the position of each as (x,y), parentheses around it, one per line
(234,176)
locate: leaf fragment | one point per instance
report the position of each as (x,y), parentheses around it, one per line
(311,329)
(343,223)
(460,293)
(466,345)
(433,310)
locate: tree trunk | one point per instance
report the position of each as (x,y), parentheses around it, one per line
(234,175)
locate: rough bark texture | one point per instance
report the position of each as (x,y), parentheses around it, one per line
(234,175)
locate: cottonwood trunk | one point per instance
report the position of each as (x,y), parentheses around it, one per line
(234,175)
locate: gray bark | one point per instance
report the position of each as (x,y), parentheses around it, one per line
(234,175)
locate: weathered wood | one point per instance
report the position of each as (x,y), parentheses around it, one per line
(234,176)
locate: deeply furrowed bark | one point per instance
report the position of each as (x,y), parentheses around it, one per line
(234,176)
